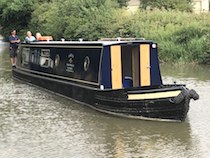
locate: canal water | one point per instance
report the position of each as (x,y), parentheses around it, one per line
(35,123)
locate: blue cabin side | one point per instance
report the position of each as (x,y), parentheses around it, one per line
(126,65)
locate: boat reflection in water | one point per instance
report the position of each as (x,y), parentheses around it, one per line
(148,139)
(120,77)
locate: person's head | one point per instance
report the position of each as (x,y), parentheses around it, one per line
(13,32)
(38,35)
(29,34)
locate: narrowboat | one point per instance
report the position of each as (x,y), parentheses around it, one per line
(115,76)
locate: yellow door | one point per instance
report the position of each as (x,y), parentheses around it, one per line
(116,67)
(145,65)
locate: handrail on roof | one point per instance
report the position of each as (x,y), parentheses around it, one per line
(121,39)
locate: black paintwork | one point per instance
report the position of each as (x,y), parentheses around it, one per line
(114,101)
(57,80)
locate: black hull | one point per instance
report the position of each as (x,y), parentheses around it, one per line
(111,101)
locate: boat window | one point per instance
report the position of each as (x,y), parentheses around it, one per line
(32,57)
(25,56)
(45,60)
(86,63)
(45,52)
(35,55)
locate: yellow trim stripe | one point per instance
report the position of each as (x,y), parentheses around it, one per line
(145,64)
(116,67)
(156,95)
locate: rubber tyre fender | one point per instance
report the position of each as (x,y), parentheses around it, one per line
(193,94)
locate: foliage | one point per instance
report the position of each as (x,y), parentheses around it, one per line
(48,20)
(12,13)
(16,14)
(181,36)
(87,19)
(182,5)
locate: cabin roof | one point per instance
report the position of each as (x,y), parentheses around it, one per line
(98,43)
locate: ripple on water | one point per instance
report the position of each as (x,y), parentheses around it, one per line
(35,123)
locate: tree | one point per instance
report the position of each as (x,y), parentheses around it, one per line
(87,19)
(182,5)
(16,14)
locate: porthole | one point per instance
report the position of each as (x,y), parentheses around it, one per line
(57,60)
(86,63)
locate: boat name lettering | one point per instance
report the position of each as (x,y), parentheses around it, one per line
(70,69)
(71,57)
(70,65)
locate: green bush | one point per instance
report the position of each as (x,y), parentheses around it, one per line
(181,5)
(181,36)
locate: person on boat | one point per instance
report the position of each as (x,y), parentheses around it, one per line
(14,43)
(29,37)
(39,37)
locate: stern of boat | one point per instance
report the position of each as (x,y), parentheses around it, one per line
(169,103)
